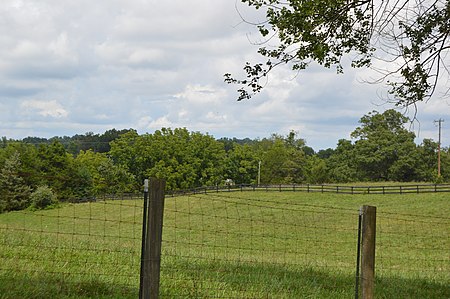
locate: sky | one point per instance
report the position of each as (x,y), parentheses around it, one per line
(75,66)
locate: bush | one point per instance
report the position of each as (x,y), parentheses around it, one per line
(43,197)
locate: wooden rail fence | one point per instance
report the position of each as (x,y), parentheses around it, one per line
(309,188)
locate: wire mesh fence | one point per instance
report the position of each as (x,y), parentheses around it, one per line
(82,250)
(256,245)
(413,252)
(226,246)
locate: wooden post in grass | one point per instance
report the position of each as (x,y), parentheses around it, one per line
(152,257)
(368,251)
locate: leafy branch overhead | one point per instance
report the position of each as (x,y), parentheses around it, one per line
(409,39)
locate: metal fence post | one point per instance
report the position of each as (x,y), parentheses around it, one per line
(144,235)
(368,252)
(153,240)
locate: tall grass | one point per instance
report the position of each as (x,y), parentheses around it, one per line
(237,245)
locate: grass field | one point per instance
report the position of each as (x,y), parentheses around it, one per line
(232,245)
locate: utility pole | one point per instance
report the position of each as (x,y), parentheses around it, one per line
(440,121)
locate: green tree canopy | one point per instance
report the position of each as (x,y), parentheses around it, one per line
(185,159)
(14,193)
(384,149)
(59,171)
(410,39)
(107,178)
(242,164)
(283,159)
(341,163)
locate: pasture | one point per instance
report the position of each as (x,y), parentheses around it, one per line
(229,245)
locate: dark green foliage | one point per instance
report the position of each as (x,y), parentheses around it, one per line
(382,150)
(105,176)
(230,142)
(185,159)
(242,164)
(413,37)
(43,197)
(88,141)
(427,167)
(59,171)
(316,171)
(325,154)
(423,44)
(283,160)
(341,163)
(54,164)
(28,160)
(14,193)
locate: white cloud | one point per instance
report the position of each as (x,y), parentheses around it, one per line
(148,64)
(60,47)
(216,117)
(437,107)
(45,108)
(201,95)
(162,122)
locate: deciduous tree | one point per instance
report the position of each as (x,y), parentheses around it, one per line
(385,149)
(410,39)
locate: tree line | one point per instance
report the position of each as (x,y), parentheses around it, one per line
(84,166)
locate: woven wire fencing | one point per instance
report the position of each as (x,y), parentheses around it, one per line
(413,254)
(234,246)
(220,245)
(79,250)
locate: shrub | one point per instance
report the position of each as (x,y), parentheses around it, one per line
(43,197)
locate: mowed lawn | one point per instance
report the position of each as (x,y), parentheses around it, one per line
(229,245)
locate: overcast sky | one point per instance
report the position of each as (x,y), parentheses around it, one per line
(74,66)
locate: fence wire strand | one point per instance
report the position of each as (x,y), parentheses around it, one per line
(415,244)
(230,246)
(220,245)
(90,249)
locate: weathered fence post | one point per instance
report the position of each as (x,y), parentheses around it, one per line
(358,255)
(368,251)
(153,240)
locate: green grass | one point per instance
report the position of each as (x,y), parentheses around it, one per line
(233,245)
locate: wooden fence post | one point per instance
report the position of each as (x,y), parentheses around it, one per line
(153,240)
(368,251)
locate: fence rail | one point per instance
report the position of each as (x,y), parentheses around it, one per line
(325,188)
